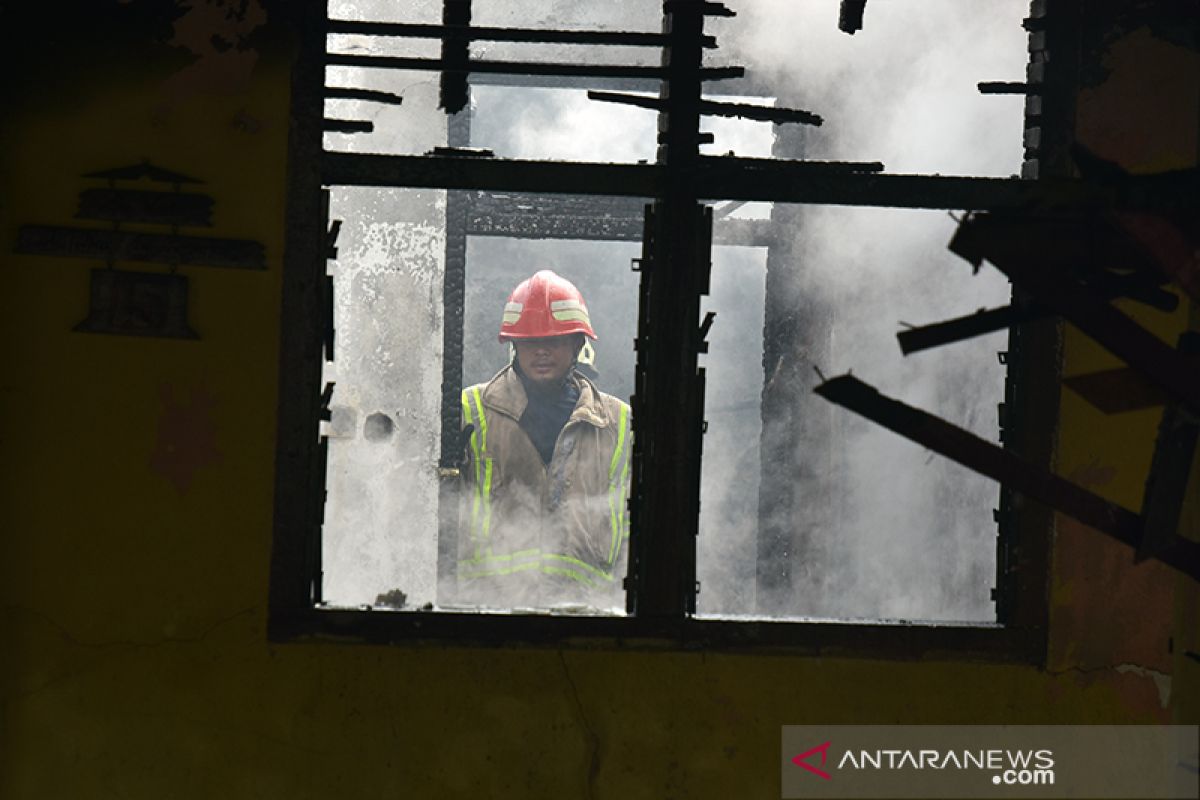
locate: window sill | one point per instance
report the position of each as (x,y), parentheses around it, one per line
(892,640)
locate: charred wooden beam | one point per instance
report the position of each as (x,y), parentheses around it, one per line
(371,95)
(763,179)
(300,456)
(1004,241)
(1081,245)
(807,166)
(669,385)
(331,250)
(709,108)
(347,125)
(522,67)
(730,178)
(456,55)
(551,226)
(495,174)
(491,34)
(750,85)
(850,16)
(1008,87)
(555,216)
(108,245)
(716,178)
(999,464)
(987,321)
(151,208)
(981,322)
(452,151)
(704,9)
(589,218)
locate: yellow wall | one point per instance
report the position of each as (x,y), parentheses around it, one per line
(136,535)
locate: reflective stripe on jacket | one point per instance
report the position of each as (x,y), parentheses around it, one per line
(536,535)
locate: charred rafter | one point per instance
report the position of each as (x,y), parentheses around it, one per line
(850,16)
(665,490)
(492,34)
(730,178)
(521,67)
(1046,274)
(985,321)
(709,108)
(1009,87)
(370,95)
(331,125)
(999,464)
(456,55)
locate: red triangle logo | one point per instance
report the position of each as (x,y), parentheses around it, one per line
(800,761)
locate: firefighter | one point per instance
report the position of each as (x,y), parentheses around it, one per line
(547,470)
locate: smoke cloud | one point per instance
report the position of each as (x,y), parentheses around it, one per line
(875,527)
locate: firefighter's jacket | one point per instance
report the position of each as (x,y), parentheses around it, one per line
(538,535)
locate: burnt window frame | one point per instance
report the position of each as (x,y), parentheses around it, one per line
(1029,420)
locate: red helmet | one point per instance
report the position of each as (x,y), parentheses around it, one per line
(545,305)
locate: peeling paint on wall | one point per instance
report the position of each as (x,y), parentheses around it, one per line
(217,33)
(1162,682)
(1141,117)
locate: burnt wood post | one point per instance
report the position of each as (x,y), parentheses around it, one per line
(669,387)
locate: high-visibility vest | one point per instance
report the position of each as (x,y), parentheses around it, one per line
(485,558)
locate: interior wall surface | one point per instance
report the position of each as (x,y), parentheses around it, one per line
(1137,107)
(138,487)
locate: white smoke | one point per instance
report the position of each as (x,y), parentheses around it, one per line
(898,534)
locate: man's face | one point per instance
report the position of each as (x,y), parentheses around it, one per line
(546,361)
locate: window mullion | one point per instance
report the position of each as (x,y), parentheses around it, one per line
(669,397)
